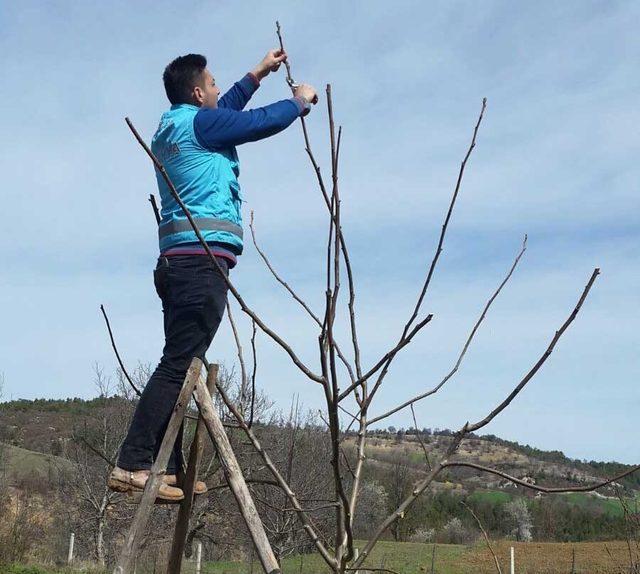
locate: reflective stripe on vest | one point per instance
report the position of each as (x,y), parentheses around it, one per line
(203,223)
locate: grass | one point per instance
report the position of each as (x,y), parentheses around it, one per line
(415,558)
(21,464)
(610,506)
(403,557)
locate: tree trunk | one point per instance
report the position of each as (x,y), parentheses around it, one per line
(102,524)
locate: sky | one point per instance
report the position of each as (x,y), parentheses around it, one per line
(556,158)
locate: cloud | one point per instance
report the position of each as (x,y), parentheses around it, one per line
(555,158)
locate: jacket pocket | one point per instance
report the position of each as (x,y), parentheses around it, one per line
(236,199)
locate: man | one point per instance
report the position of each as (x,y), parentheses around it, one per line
(196,142)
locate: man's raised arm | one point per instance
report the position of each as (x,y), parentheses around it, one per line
(218,128)
(240,93)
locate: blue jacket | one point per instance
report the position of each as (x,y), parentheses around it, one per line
(197,147)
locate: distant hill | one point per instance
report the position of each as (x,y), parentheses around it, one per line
(21,466)
(46,426)
(36,445)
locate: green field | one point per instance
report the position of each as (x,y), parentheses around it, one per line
(415,558)
(19,464)
(610,506)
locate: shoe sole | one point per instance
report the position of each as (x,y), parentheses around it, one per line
(135,492)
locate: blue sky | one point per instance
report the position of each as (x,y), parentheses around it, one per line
(556,158)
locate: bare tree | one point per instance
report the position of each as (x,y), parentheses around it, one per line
(348,386)
(518,511)
(95,444)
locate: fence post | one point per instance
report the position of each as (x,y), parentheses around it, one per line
(72,539)
(199,557)
(513,562)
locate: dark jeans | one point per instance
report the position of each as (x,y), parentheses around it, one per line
(194,297)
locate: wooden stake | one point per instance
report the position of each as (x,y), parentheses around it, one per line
(72,539)
(199,557)
(134,536)
(184,514)
(236,481)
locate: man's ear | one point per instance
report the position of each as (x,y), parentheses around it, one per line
(198,95)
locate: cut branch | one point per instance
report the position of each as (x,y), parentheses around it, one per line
(154,206)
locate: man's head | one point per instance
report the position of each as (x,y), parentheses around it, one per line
(187,81)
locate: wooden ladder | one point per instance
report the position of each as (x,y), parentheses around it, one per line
(195,386)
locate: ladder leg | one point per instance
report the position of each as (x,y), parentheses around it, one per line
(235,479)
(132,541)
(184,514)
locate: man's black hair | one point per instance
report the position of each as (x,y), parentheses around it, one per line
(181,76)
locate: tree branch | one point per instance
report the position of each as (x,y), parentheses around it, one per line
(205,245)
(464,348)
(545,489)
(486,537)
(115,350)
(474,427)
(304,519)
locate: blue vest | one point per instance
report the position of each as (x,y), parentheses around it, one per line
(207,182)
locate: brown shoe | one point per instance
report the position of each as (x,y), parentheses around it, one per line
(199,487)
(133,482)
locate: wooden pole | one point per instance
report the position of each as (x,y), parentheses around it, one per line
(234,477)
(184,514)
(136,530)
(513,561)
(72,540)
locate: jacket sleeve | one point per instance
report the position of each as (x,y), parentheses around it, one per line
(218,128)
(240,93)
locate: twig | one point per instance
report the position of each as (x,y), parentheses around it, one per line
(438,250)
(486,537)
(253,373)
(541,361)
(95,450)
(115,350)
(424,448)
(243,369)
(154,206)
(464,348)
(299,299)
(386,359)
(446,220)
(329,204)
(418,489)
(286,63)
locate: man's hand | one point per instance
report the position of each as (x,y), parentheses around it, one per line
(270,63)
(307,93)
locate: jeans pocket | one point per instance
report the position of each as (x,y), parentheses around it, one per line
(160,277)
